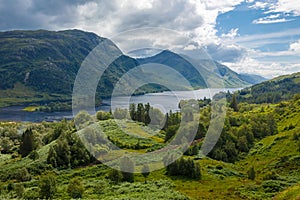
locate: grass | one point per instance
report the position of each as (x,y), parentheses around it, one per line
(30,108)
(21,95)
(292,193)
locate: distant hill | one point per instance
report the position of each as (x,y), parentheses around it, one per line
(272,91)
(41,66)
(252,78)
(212,74)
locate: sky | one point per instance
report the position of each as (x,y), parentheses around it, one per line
(257,37)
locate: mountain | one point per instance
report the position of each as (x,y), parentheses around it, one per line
(212,74)
(272,91)
(252,78)
(41,66)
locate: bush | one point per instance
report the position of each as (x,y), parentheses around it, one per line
(47,186)
(19,189)
(115,176)
(185,167)
(251,173)
(127,168)
(75,188)
(22,175)
(34,155)
(101,115)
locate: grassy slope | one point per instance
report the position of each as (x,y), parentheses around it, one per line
(275,154)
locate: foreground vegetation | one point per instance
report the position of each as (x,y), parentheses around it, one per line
(256,157)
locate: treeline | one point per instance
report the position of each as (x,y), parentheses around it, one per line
(239,134)
(185,167)
(273,91)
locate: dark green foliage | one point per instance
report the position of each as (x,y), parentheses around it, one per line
(192,150)
(115,176)
(102,115)
(251,173)
(146,114)
(6,145)
(233,103)
(19,189)
(127,168)
(22,175)
(75,188)
(145,172)
(34,155)
(185,167)
(239,134)
(47,185)
(69,151)
(272,91)
(27,143)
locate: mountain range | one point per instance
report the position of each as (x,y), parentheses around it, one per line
(41,66)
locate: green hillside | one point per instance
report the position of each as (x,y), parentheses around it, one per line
(272,91)
(248,141)
(41,66)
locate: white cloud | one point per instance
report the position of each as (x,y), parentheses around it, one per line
(278,6)
(287,6)
(231,34)
(266,69)
(259,5)
(295,47)
(276,18)
(274,35)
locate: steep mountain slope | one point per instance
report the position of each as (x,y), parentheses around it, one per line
(45,63)
(41,66)
(212,74)
(252,78)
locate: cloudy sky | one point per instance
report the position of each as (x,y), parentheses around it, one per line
(261,37)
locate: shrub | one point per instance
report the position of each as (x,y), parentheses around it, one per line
(47,186)
(75,188)
(22,175)
(34,155)
(251,173)
(127,168)
(115,176)
(19,189)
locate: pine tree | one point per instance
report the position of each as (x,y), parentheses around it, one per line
(27,143)
(234,104)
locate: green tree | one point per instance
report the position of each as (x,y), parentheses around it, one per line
(145,172)
(19,189)
(52,157)
(75,188)
(140,113)
(132,111)
(27,143)
(251,173)
(127,168)
(6,145)
(102,115)
(147,113)
(47,186)
(233,103)
(115,176)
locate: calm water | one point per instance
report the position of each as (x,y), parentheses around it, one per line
(165,101)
